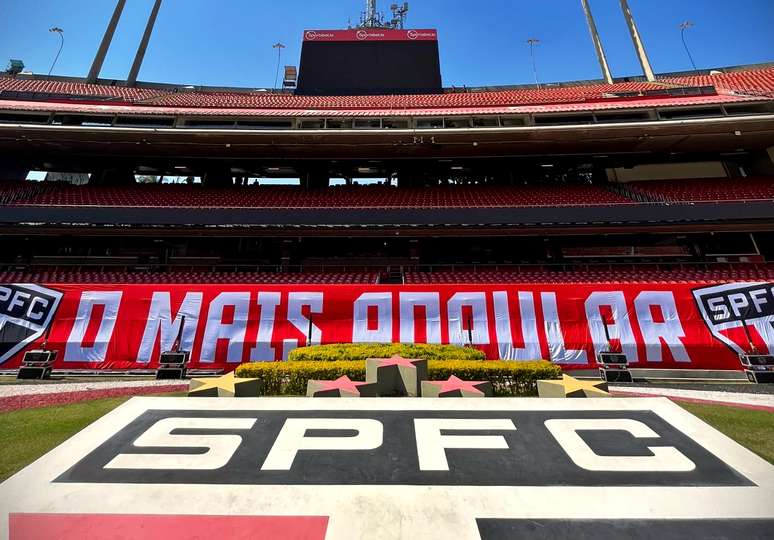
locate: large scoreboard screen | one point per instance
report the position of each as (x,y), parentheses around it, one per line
(369,61)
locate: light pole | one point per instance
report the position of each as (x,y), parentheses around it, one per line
(683,27)
(279,47)
(532,42)
(59,31)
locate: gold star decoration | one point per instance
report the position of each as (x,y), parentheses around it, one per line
(226,386)
(570,387)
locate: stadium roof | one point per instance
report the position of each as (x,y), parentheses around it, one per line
(68,125)
(690,90)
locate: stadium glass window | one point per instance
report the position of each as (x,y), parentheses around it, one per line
(741,110)
(510,121)
(336,123)
(430,123)
(623,117)
(564,120)
(214,124)
(707,112)
(457,123)
(486,121)
(141,121)
(265,124)
(312,124)
(22,118)
(82,120)
(367,123)
(395,124)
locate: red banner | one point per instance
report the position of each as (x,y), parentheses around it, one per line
(371,34)
(126,326)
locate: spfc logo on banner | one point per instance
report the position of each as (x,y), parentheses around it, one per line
(739,313)
(26,312)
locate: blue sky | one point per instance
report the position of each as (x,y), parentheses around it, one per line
(228,42)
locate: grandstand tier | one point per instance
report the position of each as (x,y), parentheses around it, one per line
(379,196)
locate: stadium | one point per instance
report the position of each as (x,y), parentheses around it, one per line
(620,227)
(654,182)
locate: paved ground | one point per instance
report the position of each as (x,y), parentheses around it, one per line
(760,401)
(722,386)
(388,469)
(59,391)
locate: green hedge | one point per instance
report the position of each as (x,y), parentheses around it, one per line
(363,351)
(508,378)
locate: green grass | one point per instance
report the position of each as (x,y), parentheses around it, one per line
(28,434)
(752,429)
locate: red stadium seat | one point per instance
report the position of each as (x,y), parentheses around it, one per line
(756,82)
(268,100)
(77,89)
(184,196)
(629,274)
(347,278)
(720,189)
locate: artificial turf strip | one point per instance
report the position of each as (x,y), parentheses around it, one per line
(29,433)
(752,429)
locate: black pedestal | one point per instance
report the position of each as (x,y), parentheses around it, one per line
(171,373)
(28,373)
(616,375)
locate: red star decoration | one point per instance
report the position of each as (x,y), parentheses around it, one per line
(455,383)
(397,360)
(342,383)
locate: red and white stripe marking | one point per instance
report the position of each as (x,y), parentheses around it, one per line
(28,396)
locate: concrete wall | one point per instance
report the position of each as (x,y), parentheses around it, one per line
(669,171)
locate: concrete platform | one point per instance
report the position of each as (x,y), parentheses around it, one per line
(393,468)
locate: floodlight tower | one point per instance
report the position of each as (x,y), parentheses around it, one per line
(638,45)
(131,80)
(597,43)
(683,27)
(99,59)
(532,42)
(57,30)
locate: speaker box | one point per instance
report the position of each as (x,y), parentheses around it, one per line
(174,358)
(39,358)
(172,365)
(756,360)
(612,359)
(36,365)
